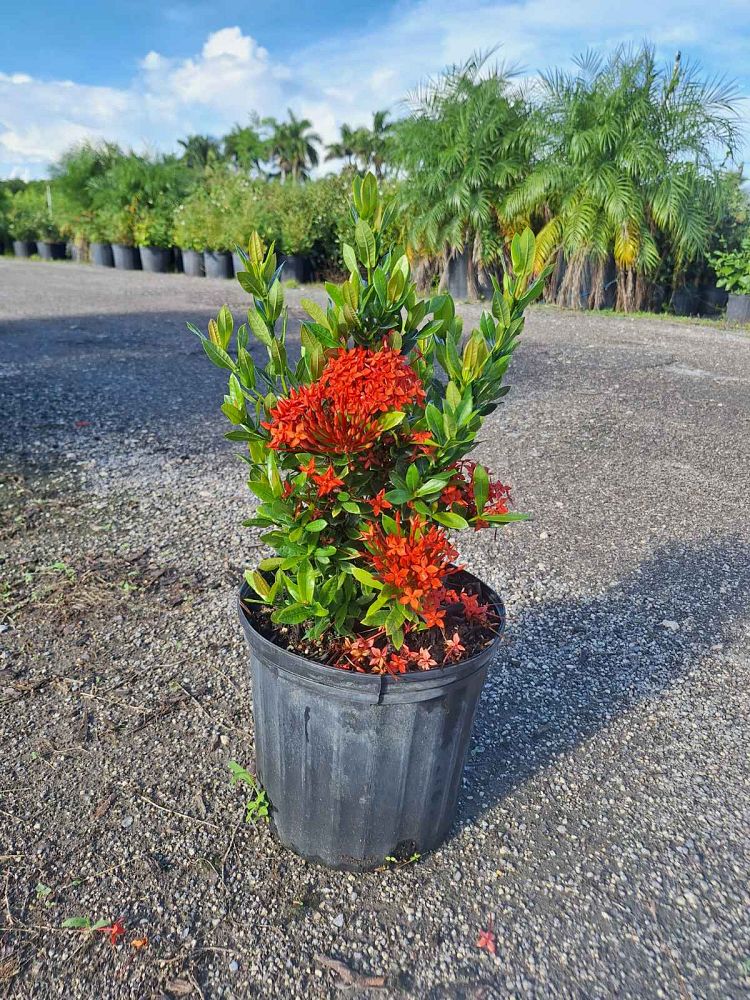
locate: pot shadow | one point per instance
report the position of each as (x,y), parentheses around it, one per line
(570,667)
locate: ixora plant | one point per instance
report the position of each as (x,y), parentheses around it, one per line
(358,456)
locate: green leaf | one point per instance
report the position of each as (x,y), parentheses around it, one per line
(259,328)
(522,250)
(76,922)
(315,526)
(251,283)
(216,354)
(315,311)
(365,243)
(390,420)
(350,258)
(294,614)
(259,584)
(450,520)
(412,478)
(306,582)
(481,487)
(505,518)
(225,326)
(366,578)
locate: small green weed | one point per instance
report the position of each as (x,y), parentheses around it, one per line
(257,806)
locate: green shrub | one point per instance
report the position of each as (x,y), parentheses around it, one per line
(135,198)
(733,269)
(29,215)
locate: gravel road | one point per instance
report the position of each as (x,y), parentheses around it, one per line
(603,827)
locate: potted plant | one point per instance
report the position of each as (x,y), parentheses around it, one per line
(188,235)
(153,236)
(733,273)
(369,644)
(27,216)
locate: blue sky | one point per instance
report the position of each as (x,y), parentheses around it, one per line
(145,73)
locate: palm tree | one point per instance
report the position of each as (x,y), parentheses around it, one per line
(345,148)
(200,150)
(625,172)
(461,152)
(245,148)
(293,146)
(373,144)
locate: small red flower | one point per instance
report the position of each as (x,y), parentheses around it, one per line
(309,468)
(423,659)
(433,617)
(327,482)
(486,941)
(379,503)
(453,648)
(473,610)
(378,660)
(114,931)
(397,664)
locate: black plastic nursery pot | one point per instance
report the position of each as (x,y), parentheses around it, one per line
(192,263)
(218,264)
(24,248)
(738,308)
(361,767)
(158,260)
(296,267)
(51,250)
(126,258)
(101,254)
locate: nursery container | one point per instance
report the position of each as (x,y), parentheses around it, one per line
(738,308)
(156,259)
(51,250)
(238,263)
(24,248)
(126,258)
(218,264)
(296,267)
(192,263)
(101,254)
(359,767)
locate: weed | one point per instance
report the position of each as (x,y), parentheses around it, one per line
(257,806)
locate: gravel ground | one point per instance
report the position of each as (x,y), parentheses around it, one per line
(603,826)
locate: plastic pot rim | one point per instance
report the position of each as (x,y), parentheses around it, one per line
(411,686)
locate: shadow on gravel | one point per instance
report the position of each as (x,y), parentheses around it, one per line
(572,666)
(107,377)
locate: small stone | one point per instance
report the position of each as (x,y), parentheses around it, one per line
(338,920)
(234,966)
(127,822)
(671,625)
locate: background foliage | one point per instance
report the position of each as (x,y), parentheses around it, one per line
(623,167)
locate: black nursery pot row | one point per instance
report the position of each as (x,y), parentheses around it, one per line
(194,263)
(160,260)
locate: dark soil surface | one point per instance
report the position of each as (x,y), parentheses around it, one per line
(604,824)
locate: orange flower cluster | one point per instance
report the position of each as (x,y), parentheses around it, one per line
(414,563)
(338,414)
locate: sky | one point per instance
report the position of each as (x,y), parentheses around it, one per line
(144,74)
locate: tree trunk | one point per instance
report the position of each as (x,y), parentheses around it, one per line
(444,273)
(472,282)
(633,290)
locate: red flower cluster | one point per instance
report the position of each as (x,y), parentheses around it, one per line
(460,493)
(338,414)
(363,655)
(472,609)
(414,563)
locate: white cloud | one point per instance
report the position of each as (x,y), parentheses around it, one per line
(344,77)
